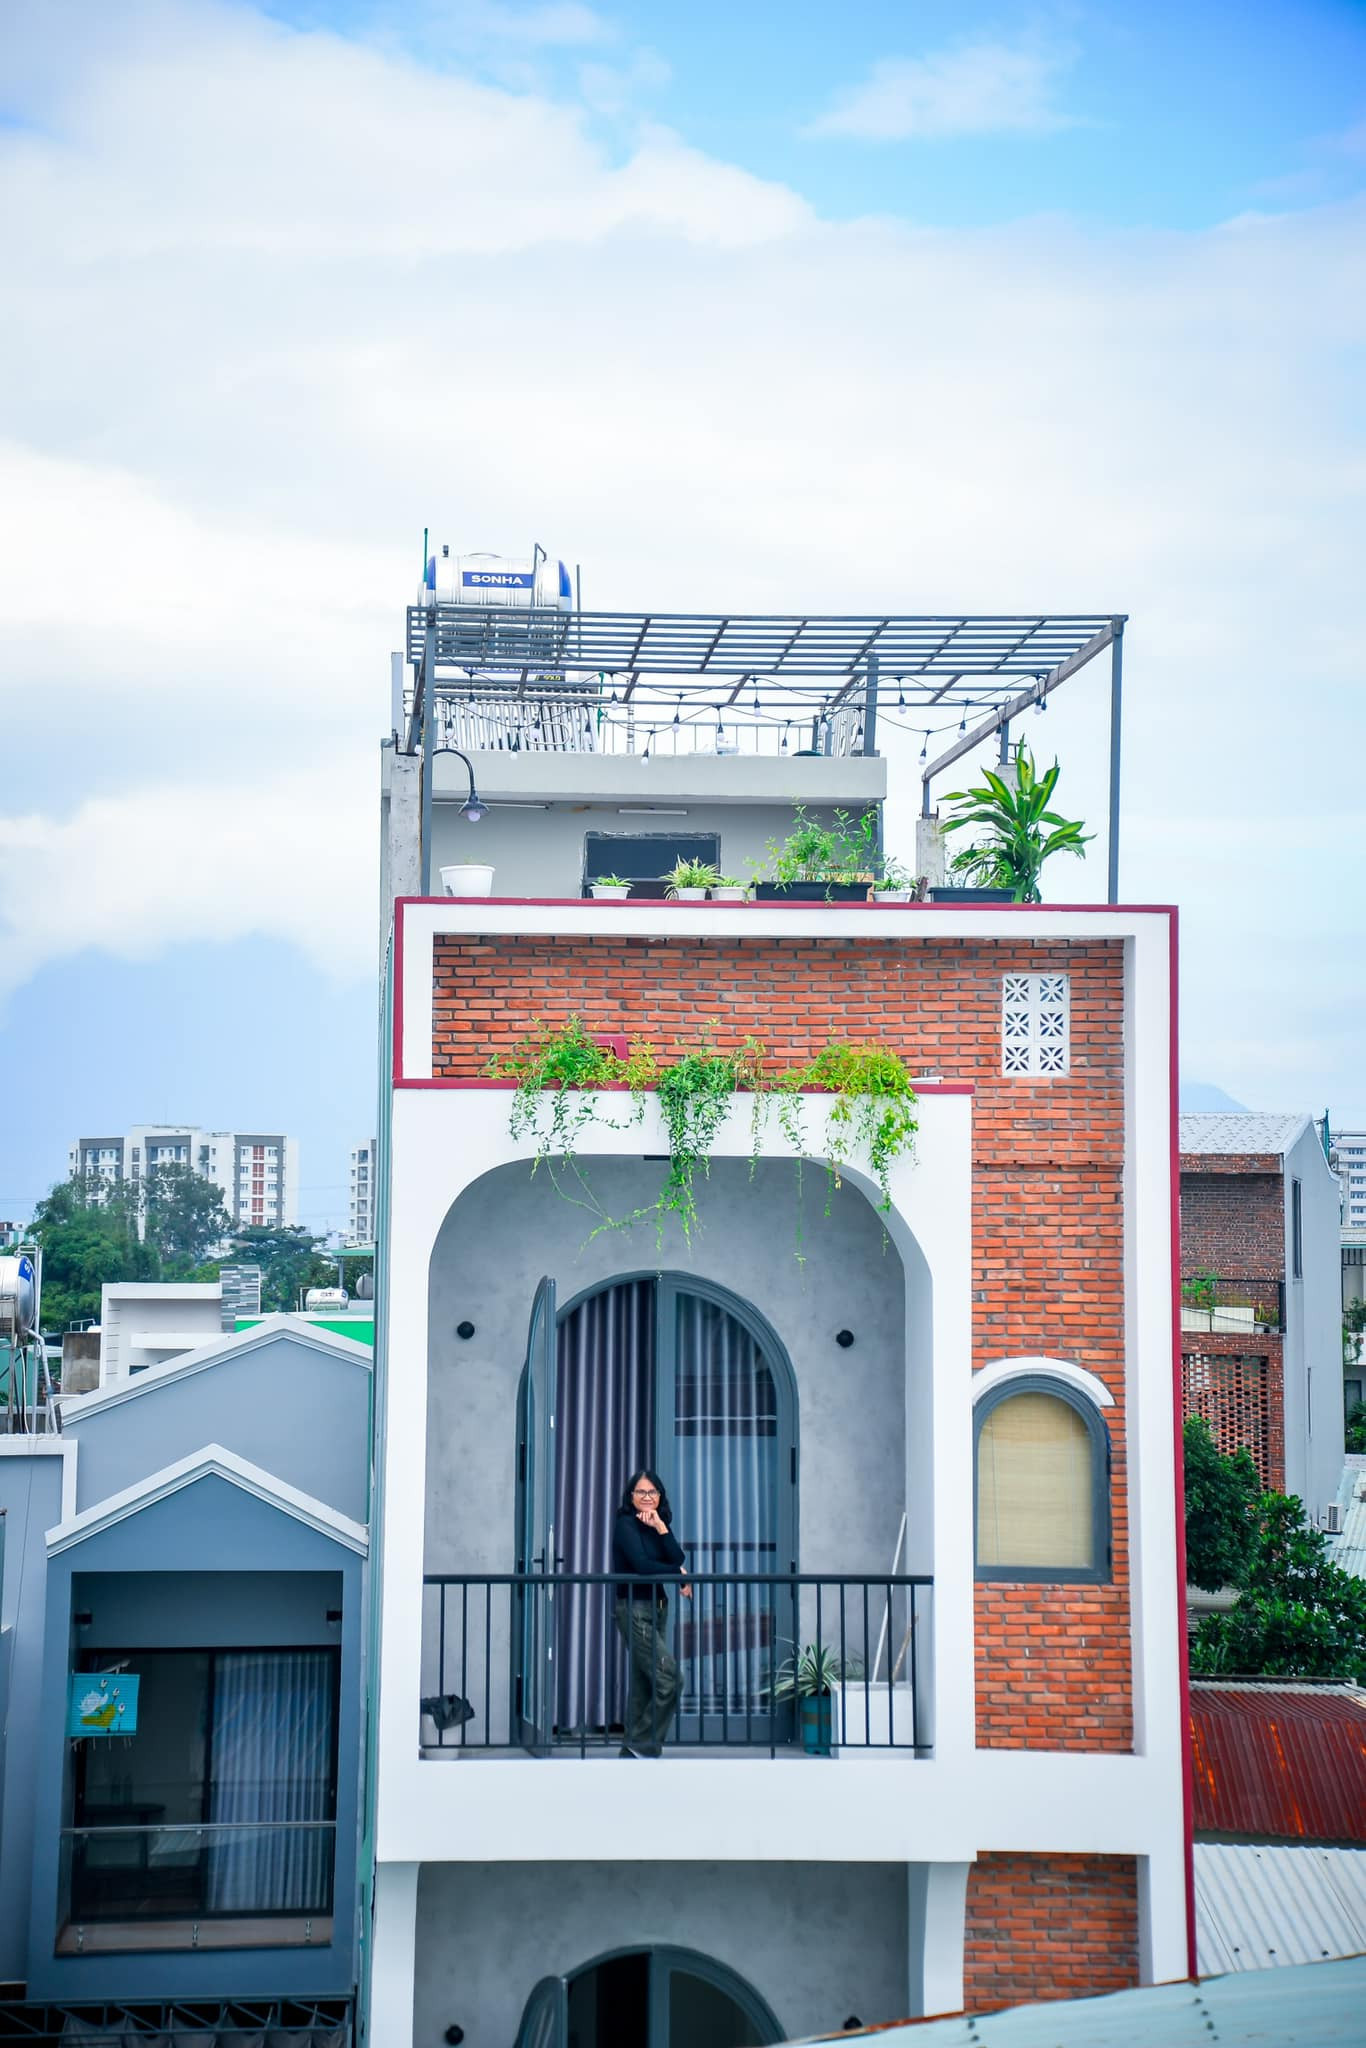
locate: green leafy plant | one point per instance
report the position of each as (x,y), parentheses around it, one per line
(559,1070)
(893,877)
(1222,1493)
(1200,1290)
(695,1094)
(1298,1615)
(1021,831)
(1355,1439)
(871,1113)
(611,882)
(812,1672)
(845,851)
(729,882)
(690,874)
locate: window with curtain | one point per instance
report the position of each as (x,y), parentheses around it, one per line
(1042,1485)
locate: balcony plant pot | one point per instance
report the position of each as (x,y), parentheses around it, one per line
(949,895)
(818,1724)
(467,878)
(725,894)
(891,895)
(606,892)
(811,892)
(689,895)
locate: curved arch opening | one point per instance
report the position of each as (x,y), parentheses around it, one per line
(650,1997)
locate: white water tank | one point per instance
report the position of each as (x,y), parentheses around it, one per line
(319,1300)
(18,1294)
(514,582)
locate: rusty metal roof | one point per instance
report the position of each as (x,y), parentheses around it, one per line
(1280,1762)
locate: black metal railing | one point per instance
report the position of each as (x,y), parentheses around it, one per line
(742,1662)
(1233,1308)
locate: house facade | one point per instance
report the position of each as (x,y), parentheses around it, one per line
(1261,1338)
(182,1674)
(925,1423)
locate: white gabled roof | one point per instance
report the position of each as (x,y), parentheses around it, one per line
(1239,1131)
(231,1344)
(212,1461)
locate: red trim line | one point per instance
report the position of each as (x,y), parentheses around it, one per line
(664,903)
(399,909)
(1179,1461)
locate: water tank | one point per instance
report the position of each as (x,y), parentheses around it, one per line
(320,1300)
(18,1295)
(513,581)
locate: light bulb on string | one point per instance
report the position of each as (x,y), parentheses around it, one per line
(963,723)
(783,748)
(756,706)
(677,719)
(925,748)
(900,695)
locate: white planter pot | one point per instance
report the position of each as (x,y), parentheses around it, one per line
(883,1718)
(690,896)
(891,895)
(729,895)
(605,892)
(468,878)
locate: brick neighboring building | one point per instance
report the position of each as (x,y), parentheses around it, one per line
(1261,1351)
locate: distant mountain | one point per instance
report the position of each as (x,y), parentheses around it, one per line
(1198,1095)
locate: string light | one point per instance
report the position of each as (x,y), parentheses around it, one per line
(963,722)
(900,695)
(925,748)
(783,748)
(677,718)
(756,706)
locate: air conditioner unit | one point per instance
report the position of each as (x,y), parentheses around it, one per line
(1332,1519)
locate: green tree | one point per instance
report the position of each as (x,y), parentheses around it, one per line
(87,1228)
(1221,1501)
(290,1259)
(1298,1614)
(183,1217)
(1021,831)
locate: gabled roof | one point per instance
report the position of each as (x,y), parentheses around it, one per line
(233,1344)
(1280,1761)
(1244,1131)
(213,1461)
(1348,1549)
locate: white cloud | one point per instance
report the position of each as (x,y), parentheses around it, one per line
(277,302)
(980,88)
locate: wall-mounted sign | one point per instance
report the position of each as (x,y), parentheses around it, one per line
(497,579)
(102,1703)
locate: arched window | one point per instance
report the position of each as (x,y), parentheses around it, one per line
(1042,1483)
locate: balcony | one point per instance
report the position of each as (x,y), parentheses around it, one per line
(534,1664)
(170,1886)
(1232,1308)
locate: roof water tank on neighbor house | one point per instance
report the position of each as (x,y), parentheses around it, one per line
(18,1296)
(318,1300)
(514,581)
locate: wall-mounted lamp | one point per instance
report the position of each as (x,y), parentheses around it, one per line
(473,808)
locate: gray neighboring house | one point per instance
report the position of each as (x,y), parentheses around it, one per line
(202,1529)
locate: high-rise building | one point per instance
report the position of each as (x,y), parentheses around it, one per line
(256,1171)
(362,1224)
(1350,1147)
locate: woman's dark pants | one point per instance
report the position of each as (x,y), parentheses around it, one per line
(654,1674)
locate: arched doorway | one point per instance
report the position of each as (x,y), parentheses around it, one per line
(669,1371)
(648,1998)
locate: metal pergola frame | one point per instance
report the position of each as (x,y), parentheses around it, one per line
(807,666)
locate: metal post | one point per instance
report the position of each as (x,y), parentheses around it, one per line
(427,682)
(396,693)
(870,707)
(1003,758)
(1116,710)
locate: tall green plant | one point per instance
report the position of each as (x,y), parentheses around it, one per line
(1021,831)
(871,1110)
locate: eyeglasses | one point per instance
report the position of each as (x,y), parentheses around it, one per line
(644,1493)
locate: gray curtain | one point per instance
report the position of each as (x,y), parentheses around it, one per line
(726,1425)
(605,1397)
(272,1747)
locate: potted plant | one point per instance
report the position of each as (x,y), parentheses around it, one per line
(1022,833)
(729,889)
(811,1678)
(611,889)
(467,878)
(893,885)
(689,880)
(822,863)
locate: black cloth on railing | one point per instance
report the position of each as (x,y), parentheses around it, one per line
(640,1552)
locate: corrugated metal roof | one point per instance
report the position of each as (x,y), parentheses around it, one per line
(1247,1131)
(1279,1761)
(1316,2005)
(1264,1905)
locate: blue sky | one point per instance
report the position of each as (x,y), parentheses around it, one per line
(917,308)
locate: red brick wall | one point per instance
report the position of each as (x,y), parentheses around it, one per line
(1232,1223)
(1049,1927)
(1237,1383)
(1053,1661)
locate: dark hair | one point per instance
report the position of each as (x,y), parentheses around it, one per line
(662,1508)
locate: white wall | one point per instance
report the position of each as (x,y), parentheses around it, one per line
(1313,1336)
(130,1309)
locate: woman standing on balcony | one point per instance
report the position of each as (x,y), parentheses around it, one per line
(644,1547)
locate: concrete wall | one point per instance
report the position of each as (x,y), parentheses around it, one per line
(820,1942)
(31,1495)
(509,1229)
(158,1308)
(205,1526)
(173,1610)
(1313,1338)
(296,1410)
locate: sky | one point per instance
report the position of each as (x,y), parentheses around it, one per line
(908,307)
